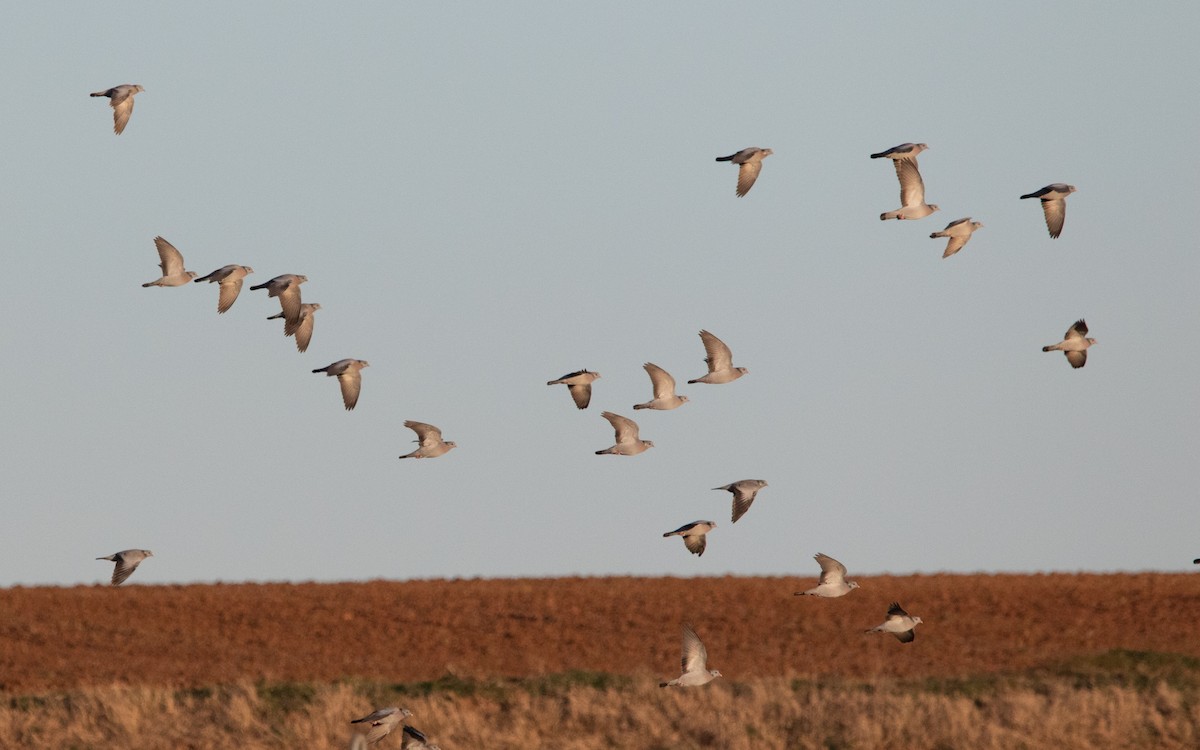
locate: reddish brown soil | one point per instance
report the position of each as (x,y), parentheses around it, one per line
(202,635)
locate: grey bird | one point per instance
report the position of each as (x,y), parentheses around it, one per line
(1054,205)
(664,390)
(579,383)
(430,440)
(349,375)
(303,328)
(415,739)
(898,623)
(694,535)
(126,562)
(1074,344)
(120,98)
(833,581)
(912,187)
(628,443)
(287,288)
(744,493)
(382,722)
(959,233)
(749,161)
(170,261)
(230,278)
(719,361)
(694,664)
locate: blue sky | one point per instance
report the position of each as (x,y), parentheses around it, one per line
(485,197)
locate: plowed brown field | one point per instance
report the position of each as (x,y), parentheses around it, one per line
(181,636)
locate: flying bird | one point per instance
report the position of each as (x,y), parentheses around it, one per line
(694,535)
(170,261)
(303,328)
(749,161)
(898,623)
(126,562)
(664,389)
(430,440)
(744,493)
(120,98)
(414,739)
(1054,205)
(382,722)
(694,663)
(349,375)
(1074,344)
(287,288)
(719,360)
(579,383)
(912,187)
(959,233)
(628,443)
(230,278)
(833,581)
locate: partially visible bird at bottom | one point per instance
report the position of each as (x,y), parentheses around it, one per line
(383,721)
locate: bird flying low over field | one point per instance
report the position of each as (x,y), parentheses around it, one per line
(694,535)
(303,328)
(230,278)
(382,721)
(579,384)
(430,440)
(414,739)
(749,161)
(664,389)
(719,361)
(1074,344)
(349,375)
(959,233)
(833,581)
(170,261)
(120,98)
(1054,205)
(744,493)
(287,288)
(899,624)
(912,187)
(126,562)
(628,443)
(695,669)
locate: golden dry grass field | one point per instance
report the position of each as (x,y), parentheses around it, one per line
(1054,660)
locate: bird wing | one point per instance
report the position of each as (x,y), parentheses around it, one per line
(169,259)
(302,330)
(1056,213)
(696,543)
(412,738)
(664,384)
(626,429)
(123,569)
(957,242)
(896,611)
(719,357)
(1077,359)
(832,571)
(351,382)
(747,174)
(582,394)
(1077,330)
(427,434)
(912,187)
(695,656)
(289,302)
(122,105)
(906,636)
(230,289)
(743,496)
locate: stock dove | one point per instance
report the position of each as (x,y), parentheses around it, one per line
(1074,344)
(303,328)
(694,535)
(430,439)
(694,663)
(1054,205)
(664,389)
(382,722)
(833,581)
(719,360)
(170,261)
(126,562)
(912,187)
(121,100)
(287,288)
(744,493)
(898,623)
(579,383)
(349,375)
(230,278)
(959,233)
(749,161)
(628,443)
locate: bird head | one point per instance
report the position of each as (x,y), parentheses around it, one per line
(315,306)
(684,399)
(450,444)
(742,370)
(1091,342)
(767,152)
(648,443)
(191,274)
(301,279)
(852,584)
(1070,189)
(714,672)
(977,224)
(363,363)
(248,269)
(147,553)
(405,713)
(918,148)
(917,621)
(138,88)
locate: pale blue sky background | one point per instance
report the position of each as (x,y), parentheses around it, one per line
(487,196)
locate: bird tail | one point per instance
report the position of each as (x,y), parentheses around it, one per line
(100,93)
(1047,348)
(697,380)
(880,155)
(641,406)
(935,235)
(889,215)
(1030,195)
(110,558)
(260,286)
(553,382)
(604,452)
(726,158)
(664,684)
(150,283)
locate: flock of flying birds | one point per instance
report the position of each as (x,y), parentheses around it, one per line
(299,318)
